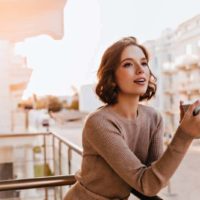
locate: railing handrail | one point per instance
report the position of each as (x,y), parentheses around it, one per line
(10,135)
(41,182)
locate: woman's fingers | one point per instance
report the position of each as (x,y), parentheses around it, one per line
(190,123)
(192,108)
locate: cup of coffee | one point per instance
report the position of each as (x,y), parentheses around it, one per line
(186,105)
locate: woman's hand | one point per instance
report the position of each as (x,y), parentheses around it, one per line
(191,124)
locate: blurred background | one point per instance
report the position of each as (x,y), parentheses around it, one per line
(50,51)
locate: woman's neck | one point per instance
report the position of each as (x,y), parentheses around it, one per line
(126,106)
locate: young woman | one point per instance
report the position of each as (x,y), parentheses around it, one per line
(122,141)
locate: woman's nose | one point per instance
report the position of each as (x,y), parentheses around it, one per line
(139,69)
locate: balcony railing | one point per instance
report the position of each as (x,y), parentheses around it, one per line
(38,155)
(42,182)
(48,184)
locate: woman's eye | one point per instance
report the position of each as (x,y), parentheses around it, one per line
(127,65)
(144,64)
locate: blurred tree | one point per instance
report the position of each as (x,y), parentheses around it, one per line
(54,104)
(74,105)
(26,104)
(75,99)
(41,103)
(51,103)
(65,104)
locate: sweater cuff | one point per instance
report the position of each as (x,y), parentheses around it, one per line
(181,141)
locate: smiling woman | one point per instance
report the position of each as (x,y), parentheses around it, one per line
(122,140)
(120,67)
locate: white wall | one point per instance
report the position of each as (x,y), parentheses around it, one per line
(88,100)
(5,101)
(13,70)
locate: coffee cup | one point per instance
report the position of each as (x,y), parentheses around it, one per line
(186,105)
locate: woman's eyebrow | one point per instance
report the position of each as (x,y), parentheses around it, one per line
(131,59)
(127,59)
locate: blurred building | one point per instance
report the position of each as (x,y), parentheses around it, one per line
(20,20)
(14,77)
(88,100)
(175,59)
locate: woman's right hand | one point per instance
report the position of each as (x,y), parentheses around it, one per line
(191,124)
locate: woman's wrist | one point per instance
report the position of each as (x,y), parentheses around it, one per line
(181,141)
(184,134)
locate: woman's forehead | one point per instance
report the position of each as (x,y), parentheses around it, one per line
(134,52)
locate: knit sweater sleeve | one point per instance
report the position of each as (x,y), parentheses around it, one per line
(104,136)
(156,144)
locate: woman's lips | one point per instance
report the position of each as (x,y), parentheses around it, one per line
(140,83)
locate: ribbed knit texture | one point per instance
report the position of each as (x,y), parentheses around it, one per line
(119,154)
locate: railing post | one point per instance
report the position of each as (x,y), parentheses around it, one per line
(169,189)
(69,160)
(45,163)
(60,165)
(54,163)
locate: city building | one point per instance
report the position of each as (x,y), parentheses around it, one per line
(14,77)
(20,20)
(175,59)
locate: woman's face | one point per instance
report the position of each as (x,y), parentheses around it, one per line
(132,74)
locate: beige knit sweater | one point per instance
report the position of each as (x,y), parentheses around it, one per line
(119,154)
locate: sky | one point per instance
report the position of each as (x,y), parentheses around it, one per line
(90,26)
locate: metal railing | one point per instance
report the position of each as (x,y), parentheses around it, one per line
(52,148)
(51,182)
(42,182)
(57,142)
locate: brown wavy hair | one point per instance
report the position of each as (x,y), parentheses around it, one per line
(106,88)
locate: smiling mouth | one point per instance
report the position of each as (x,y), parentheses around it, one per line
(140,82)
